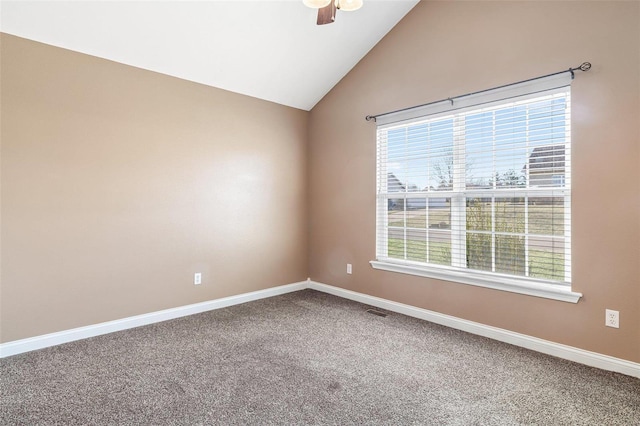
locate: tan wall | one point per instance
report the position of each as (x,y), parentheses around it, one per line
(118,184)
(444,49)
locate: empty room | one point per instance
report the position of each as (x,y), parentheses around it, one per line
(320,212)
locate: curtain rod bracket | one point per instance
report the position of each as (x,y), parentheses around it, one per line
(370,118)
(585,66)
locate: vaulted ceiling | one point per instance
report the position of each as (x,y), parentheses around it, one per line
(272,50)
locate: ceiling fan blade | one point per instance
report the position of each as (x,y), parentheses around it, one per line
(327,14)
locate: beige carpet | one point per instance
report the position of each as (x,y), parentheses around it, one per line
(306,358)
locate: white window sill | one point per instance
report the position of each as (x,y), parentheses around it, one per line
(488,280)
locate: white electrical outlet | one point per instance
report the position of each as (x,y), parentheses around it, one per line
(349,268)
(612,318)
(197,278)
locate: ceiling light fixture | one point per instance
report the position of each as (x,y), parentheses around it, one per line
(348,5)
(327,8)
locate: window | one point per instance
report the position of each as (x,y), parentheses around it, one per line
(480,193)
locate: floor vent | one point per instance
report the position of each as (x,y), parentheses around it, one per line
(378,313)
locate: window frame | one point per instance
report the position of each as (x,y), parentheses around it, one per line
(459,194)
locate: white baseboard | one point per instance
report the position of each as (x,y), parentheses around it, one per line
(570,353)
(39,342)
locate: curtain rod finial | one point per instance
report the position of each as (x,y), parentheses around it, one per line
(370,118)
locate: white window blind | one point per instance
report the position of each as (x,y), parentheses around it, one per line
(480,187)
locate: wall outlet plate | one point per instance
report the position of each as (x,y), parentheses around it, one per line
(612,318)
(349,268)
(197,278)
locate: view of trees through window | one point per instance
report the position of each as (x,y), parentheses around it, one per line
(486,190)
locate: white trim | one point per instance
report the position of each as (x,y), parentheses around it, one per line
(570,353)
(493,281)
(44,341)
(581,356)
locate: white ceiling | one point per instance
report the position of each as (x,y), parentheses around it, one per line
(271,50)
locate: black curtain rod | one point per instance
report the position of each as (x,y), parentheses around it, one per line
(585,66)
